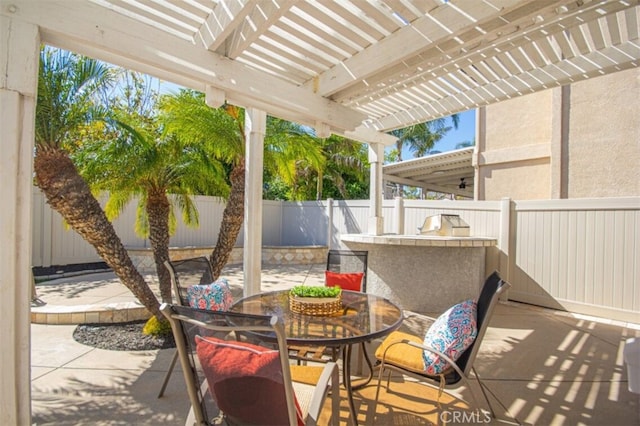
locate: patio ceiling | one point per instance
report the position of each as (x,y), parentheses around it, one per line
(345,66)
(439,172)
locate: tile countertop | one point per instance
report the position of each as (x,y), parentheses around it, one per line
(420,240)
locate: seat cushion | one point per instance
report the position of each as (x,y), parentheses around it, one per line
(347,281)
(245,380)
(451,333)
(214,297)
(408,357)
(308,374)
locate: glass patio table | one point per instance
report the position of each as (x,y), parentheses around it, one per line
(363,317)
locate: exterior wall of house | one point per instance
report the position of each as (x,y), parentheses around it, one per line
(514,149)
(521,180)
(579,141)
(604,136)
(519,122)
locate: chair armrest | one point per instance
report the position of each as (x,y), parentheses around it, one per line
(330,375)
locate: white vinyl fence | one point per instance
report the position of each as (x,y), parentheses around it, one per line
(579,255)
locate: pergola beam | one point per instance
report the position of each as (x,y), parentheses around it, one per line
(146,49)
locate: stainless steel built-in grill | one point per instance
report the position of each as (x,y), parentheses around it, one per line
(447,225)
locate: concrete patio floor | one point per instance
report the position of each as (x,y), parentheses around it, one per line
(543,367)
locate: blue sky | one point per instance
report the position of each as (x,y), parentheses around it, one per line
(466,132)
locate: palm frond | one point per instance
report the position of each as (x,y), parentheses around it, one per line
(116,203)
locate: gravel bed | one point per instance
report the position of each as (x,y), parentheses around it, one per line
(120,337)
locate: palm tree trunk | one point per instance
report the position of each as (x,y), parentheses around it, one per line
(158,208)
(69,195)
(232,219)
(319,186)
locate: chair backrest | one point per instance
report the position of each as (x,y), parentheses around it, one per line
(347,261)
(492,288)
(187,272)
(248,379)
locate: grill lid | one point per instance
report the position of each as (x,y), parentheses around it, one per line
(449,225)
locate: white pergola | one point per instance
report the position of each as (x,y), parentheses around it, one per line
(351,67)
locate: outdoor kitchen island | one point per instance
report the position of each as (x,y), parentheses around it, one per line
(423,273)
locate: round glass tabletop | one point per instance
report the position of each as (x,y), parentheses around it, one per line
(362,317)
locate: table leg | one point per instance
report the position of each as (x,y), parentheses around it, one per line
(346,376)
(363,348)
(346,381)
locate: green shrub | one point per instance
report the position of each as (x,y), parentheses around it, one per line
(154,327)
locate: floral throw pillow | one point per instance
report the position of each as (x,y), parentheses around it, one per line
(214,297)
(245,381)
(451,334)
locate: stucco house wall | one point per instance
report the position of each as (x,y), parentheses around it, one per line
(578,141)
(519,122)
(521,180)
(604,135)
(514,154)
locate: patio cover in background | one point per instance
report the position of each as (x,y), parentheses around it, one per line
(438,172)
(353,68)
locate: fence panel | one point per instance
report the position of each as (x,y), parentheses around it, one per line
(272,217)
(305,223)
(483,217)
(349,217)
(210,211)
(579,255)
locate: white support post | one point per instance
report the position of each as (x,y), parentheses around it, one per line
(19,58)
(214,97)
(504,241)
(329,214)
(398,214)
(376,157)
(481,137)
(255,123)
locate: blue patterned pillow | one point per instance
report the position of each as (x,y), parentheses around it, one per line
(452,333)
(214,297)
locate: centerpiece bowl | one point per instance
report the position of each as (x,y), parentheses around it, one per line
(315,300)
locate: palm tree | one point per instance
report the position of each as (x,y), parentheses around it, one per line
(188,116)
(422,137)
(465,144)
(64,107)
(346,162)
(158,169)
(331,167)
(222,129)
(292,153)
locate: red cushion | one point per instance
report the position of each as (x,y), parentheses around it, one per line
(245,381)
(351,281)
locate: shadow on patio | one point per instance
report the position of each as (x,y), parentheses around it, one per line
(543,367)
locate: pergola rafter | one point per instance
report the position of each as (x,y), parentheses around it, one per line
(376,64)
